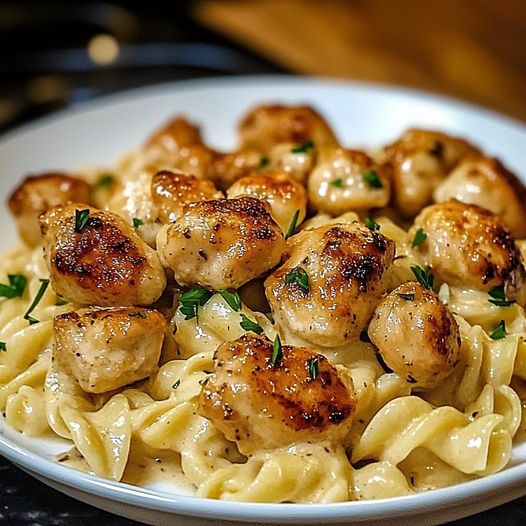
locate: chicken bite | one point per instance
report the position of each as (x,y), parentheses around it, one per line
(469,247)
(266,125)
(175,134)
(264,405)
(285,196)
(416,336)
(104,349)
(96,258)
(221,244)
(39,193)
(485,181)
(334,276)
(170,191)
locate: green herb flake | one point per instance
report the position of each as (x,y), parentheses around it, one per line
(264,162)
(293,224)
(176,384)
(372,178)
(299,276)
(60,302)
(499,297)
(16,287)
(3,347)
(337,183)
(277,351)
(81,220)
(248,325)
(303,148)
(104,181)
(313,367)
(137,222)
(419,238)
(499,332)
(193,299)
(44,283)
(232,298)
(139,314)
(408,297)
(371,224)
(424,276)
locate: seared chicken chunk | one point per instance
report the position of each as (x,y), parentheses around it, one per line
(284,195)
(264,126)
(421,159)
(227,168)
(175,134)
(104,349)
(416,335)
(326,291)
(96,258)
(170,191)
(344,180)
(486,182)
(261,405)
(468,246)
(39,193)
(295,162)
(221,244)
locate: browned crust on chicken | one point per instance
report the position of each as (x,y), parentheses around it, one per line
(175,134)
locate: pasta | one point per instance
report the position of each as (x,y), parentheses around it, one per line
(325,333)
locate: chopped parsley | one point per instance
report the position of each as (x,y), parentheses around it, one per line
(408,297)
(232,298)
(264,161)
(60,302)
(371,224)
(16,287)
(419,238)
(3,347)
(424,276)
(299,276)
(303,148)
(499,332)
(277,351)
(248,325)
(44,283)
(81,220)
(337,183)
(176,384)
(293,224)
(313,367)
(139,314)
(137,222)
(193,299)
(499,297)
(372,179)
(104,181)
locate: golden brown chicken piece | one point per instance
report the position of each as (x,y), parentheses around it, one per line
(227,168)
(175,134)
(221,244)
(284,195)
(266,125)
(468,246)
(334,276)
(296,162)
(485,181)
(96,258)
(345,180)
(261,405)
(171,190)
(421,159)
(38,193)
(104,349)
(416,335)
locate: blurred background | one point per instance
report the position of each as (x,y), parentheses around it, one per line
(54,54)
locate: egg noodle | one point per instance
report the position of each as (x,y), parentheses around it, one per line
(400,442)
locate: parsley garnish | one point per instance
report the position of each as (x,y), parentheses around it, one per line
(81,220)
(60,302)
(372,179)
(3,347)
(499,297)
(299,276)
(313,367)
(293,223)
(408,297)
(16,287)
(44,283)
(232,298)
(303,148)
(424,276)
(277,351)
(337,183)
(500,332)
(371,224)
(176,384)
(139,314)
(265,161)
(248,325)
(104,180)
(420,237)
(190,301)
(137,222)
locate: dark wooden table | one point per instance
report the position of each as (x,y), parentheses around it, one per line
(27,502)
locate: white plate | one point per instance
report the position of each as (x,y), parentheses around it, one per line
(362,115)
